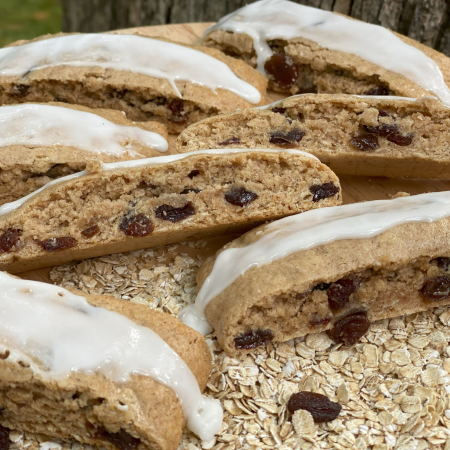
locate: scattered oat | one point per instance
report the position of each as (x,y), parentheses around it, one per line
(394,387)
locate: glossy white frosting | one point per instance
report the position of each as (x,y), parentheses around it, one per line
(311,229)
(130,53)
(46,125)
(8,207)
(281,19)
(41,324)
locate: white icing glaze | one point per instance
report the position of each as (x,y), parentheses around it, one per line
(41,322)
(47,125)
(131,53)
(281,19)
(311,229)
(8,207)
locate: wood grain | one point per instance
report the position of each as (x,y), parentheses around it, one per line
(355,189)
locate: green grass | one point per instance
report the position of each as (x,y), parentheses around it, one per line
(26,19)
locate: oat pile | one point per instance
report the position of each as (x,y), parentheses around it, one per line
(394,386)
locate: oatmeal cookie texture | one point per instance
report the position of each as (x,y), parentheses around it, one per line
(358,135)
(337,269)
(148,79)
(42,142)
(137,204)
(392,385)
(66,388)
(303,49)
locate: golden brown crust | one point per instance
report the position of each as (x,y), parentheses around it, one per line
(131,92)
(331,122)
(87,406)
(278,183)
(398,262)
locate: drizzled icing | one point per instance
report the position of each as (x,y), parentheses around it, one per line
(40,323)
(280,19)
(8,207)
(53,125)
(311,229)
(131,53)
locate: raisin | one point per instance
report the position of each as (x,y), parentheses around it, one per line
(122,440)
(400,139)
(136,225)
(168,212)
(365,142)
(321,286)
(379,90)
(286,138)
(320,406)
(317,321)
(146,185)
(193,173)
(436,289)
(279,110)
(350,329)
(443,262)
(240,196)
(283,70)
(187,190)
(253,339)
(21,89)
(176,105)
(55,244)
(340,291)
(91,231)
(4,438)
(382,130)
(322,191)
(382,113)
(9,239)
(233,140)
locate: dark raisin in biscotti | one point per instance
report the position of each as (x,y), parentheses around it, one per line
(137,204)
(357,135)
(42,142)
(335,269)
(148,79)
(303,49)
(77,385)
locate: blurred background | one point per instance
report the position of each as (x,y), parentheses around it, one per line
(427,21)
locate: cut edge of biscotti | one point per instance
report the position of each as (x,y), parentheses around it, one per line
(46,141)
(140,96)
(356,272)
(305,66)
(357,135)
(92,408)
(138,204)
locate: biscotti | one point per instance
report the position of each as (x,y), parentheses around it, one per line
(357,135)
(42,142)
(137,204)
(100,371)
(303,49)
(335,269)
(148,79)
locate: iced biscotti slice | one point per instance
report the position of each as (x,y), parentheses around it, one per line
(335,269)
(148,79)
(304,49)
(137,204)
(42,142)
(100,371)
(357,135)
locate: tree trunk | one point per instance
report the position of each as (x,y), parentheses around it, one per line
(427,21)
